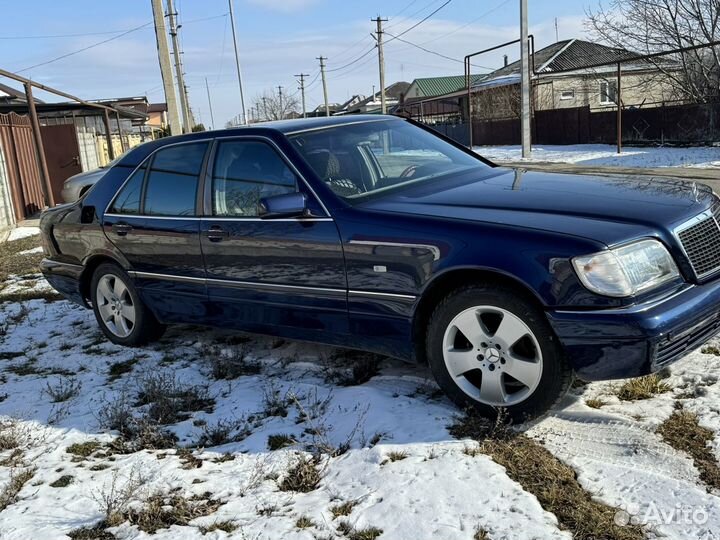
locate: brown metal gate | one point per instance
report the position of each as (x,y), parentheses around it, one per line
(23,174)
(62,155)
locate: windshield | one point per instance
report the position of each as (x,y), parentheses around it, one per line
(357,160)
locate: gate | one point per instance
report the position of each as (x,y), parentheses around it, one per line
(21,165)
(62,155)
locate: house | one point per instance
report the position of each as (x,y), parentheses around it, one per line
(438,86)
(561,80)
(394,94)
(157,117)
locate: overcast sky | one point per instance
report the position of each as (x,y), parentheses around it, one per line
(277,39)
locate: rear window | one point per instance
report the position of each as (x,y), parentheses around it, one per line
(172,182)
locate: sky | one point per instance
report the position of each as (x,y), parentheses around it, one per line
(277,39)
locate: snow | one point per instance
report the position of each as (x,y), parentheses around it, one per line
(19,233)
(437,491)
(32,251)
(606,155)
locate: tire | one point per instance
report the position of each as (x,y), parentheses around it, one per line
(120,313)
(510,358)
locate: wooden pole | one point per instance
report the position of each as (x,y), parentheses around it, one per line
(120,131)
(39,150)
(108,134)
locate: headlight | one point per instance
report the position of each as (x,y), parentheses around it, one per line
(626,270)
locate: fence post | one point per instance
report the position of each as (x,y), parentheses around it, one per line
(618,93)
(120,131)
(39,150)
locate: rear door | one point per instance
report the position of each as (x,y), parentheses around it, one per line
(154,222)
(279,276)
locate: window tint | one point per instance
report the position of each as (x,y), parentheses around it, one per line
(128,200)
(243,173)
(173,180)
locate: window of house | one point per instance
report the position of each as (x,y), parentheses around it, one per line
(608,92)
(245,172)
(567,94)
(171,187)
(128,200)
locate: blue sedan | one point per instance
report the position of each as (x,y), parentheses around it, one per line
(376,233)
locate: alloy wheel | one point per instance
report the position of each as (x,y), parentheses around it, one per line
(493,356)
(115,305)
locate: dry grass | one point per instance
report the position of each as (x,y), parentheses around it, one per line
(540,473)
(397,455)
(118,369)
(161,511)
(302,476)
(304,522)
(231,364)
(20,265)
(595,403)
(643,388)
(342,509)
(280,440)
(711,349)
(64,481)
(351,533)
(227,526)
(169,400)
(9,494)
(683,432)
(481,534)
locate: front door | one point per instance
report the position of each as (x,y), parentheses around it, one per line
(154,223)
(278,276)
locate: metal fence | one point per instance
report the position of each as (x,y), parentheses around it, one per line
(21,169)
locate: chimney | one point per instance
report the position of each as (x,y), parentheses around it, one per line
(505,60)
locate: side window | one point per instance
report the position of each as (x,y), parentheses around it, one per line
(128,200)
(243,173)
(171,187)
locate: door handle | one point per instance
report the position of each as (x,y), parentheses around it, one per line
(216,233)
(121,229)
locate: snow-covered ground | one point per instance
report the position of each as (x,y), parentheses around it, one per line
(433,490)
(606,155)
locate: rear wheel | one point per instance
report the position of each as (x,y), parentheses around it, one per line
(122,316)
(490,348)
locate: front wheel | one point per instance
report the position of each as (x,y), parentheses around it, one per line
(490,348)
(122,316)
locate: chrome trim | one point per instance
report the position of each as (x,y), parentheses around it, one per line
(637,308)
(169,277)
(331,126)
(277,286)
(215,218)
(148,157)
(254,284)
(50,263)
(210,141)
(408,297)
(433,249)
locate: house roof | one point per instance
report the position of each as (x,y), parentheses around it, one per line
(157,107)
(438,86)
(567,55)
(8,93)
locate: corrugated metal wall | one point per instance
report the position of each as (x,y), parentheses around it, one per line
(21,165)
(7,215)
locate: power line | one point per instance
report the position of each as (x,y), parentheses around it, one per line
(434,52)
(86,48)
(125,33)
(420,21)
(353,61)
(489,12)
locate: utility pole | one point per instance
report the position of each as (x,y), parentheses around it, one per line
(182,89)
(165,68)
(381,61)
(524,81)
(322,72)
(302,90)
(212,118)
(237,63)
(281,113)
(265,114)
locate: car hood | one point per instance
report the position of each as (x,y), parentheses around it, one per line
(608,209)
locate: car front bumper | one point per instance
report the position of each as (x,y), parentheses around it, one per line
(641,339)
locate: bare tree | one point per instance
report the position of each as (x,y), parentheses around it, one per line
(651,26)
(271,106)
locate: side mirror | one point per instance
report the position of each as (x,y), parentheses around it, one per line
(287,205)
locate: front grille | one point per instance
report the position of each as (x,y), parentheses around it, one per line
(701,242)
